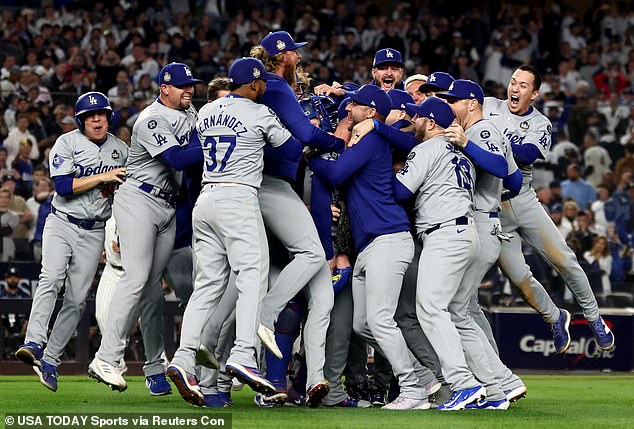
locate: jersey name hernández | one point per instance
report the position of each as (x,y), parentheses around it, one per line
(73,154)
(233,131)
(532,127)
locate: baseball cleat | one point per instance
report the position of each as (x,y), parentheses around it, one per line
(377,395)
(462,398)
(432,387)
(236,385)
(317,393)
(47,374)
(158,385)
(123,367)
(561,331)
(440,397)
(351,403)
(250,376)
(265,401)
(30,353)
(186,384)
(340,278)
(206,357)
(220,399)
(603,334)
(514,395)
(267,336)
(401,403)
(108,374)
(483,404)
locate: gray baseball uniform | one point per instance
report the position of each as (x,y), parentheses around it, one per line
(524,216)
(443,179)
(487,205)
(288,219)
(144,212)
(228,228)
(72,239)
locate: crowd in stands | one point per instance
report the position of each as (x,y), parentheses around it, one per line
(54,51)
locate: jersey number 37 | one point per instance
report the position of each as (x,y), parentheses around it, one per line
(218,147)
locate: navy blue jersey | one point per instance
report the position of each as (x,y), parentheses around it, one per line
(365,170)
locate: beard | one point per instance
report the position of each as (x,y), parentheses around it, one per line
(290,74)
(420,134)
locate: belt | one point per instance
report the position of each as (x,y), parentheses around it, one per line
(462,220)
(159,193)
(494,215)
(87,224)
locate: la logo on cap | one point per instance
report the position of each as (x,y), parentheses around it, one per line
(167,77)
(92,99)
(280,45)
(256,72)
(432,78)
(188,72)
(450,86)
(389,54)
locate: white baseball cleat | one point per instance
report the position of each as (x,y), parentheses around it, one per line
(402,403)
(268,339)
(206,357)
(108,374)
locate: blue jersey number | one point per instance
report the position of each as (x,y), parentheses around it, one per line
(463,172)
(215,145)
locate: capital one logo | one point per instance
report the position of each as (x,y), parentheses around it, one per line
(92,100)
(582,348)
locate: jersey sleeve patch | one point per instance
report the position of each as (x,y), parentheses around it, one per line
(58,161)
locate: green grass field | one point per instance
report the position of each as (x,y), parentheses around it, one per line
(557,401)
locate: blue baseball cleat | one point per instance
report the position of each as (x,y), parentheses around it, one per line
(603,334)
(461,398)
(47,374)
(220,399)
(561,331)
(250,376)
(158,385)
(30,353)
(502,404)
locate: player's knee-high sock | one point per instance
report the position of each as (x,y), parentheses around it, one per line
(286,332)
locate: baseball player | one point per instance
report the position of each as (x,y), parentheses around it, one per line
(387,73)
(412,86)
(380,230)
(286,216)
(158,151)
(528,134)
(228,228)
(443,179)
(85,165)
(481,141)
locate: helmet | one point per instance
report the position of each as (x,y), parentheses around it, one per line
(322,107)
(90,102)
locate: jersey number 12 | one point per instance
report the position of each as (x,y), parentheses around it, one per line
(215,146)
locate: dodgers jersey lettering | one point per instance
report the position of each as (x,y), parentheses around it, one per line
(444,179)
(74,154)
(157,129)
(533,128)
(487,193)
(233,130)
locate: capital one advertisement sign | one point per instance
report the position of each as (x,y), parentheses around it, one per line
(525,341)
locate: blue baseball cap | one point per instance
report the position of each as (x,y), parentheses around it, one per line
(463,89)
(279,41)
(177,74)
(373,96)
(387,55)
(399,99)
(341,111)
(246,70)
(434,108)
(437,81)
